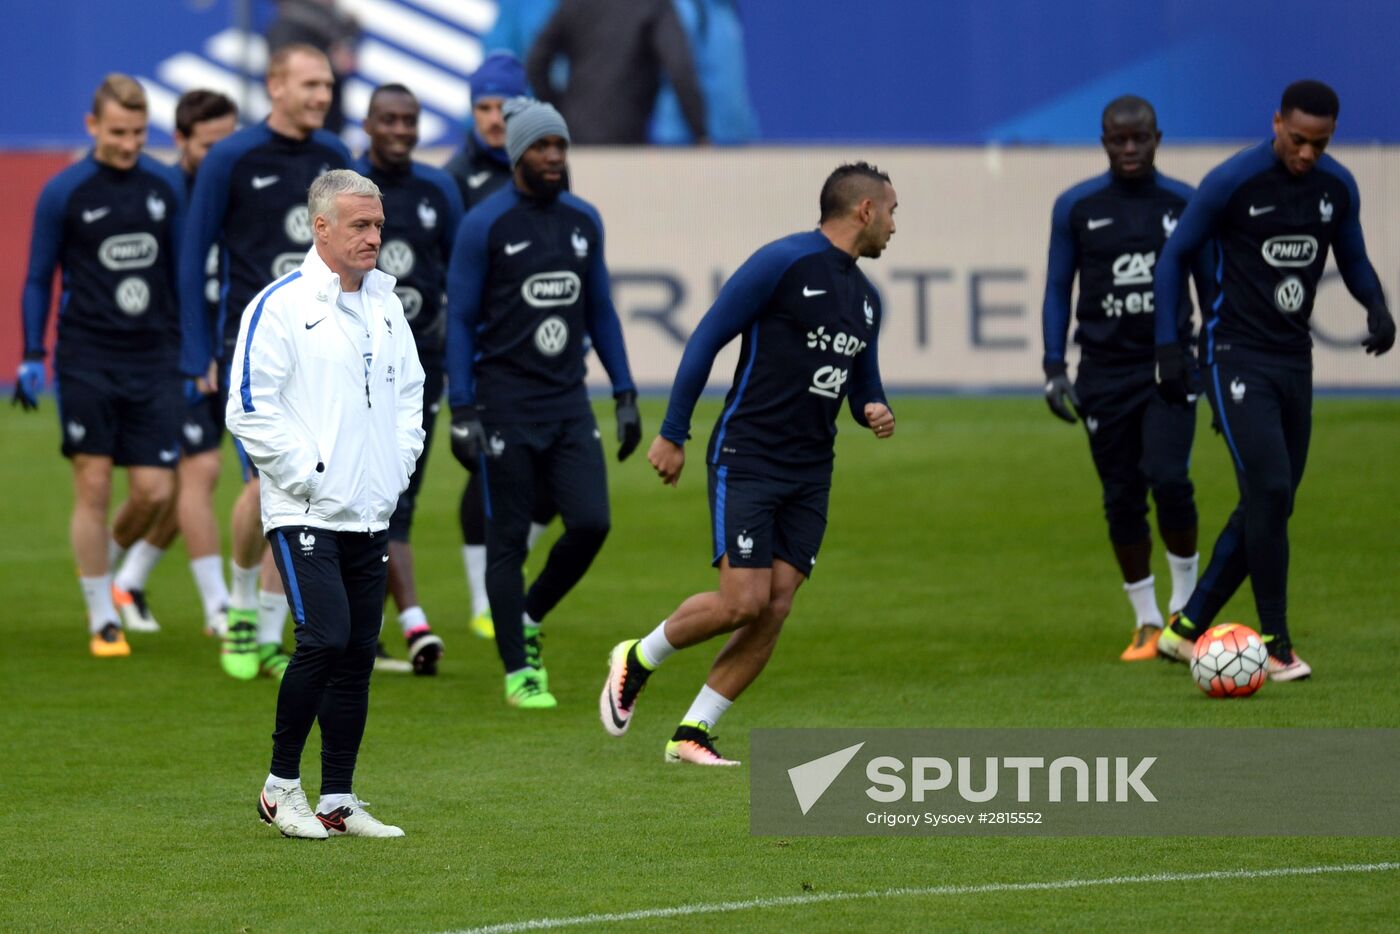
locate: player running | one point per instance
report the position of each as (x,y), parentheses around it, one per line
(112,222)
(526,283)
(250,198)
(1108,231)
(1273,211)
(810,320)
(422,209)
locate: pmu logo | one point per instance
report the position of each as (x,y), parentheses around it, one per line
(1134,268)
(1293,250)
(129,251)
(551,289)
(828,381)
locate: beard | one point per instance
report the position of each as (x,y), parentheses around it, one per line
(540,186)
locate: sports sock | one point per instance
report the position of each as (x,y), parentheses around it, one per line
(1183,580)
(272,615)
(115,553)
(413,618)
(1143,596)
(536,530)
(709,705)
(137,566)
(329,803)
(245,587)
(527,622)
(209,578)
(97,594)
(273,781)
(474,557)
(655,648)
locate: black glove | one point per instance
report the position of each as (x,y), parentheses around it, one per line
(1059,392)
(629,423)
(1382,328)
(1176,375)
(468,436)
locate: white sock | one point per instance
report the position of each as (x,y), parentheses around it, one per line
(272,615)
(474,556)
(209,578)
(655,648)
(138,564)
(115,553)
(413,618)
(97,594)
(1143,596)
(329,803)
(709,705)
(273,781)
(526,621)
(536,530)
(1183,580)
(245,587)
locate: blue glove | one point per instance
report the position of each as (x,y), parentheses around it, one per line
(28,384)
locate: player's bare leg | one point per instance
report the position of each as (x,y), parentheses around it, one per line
(240,645)
(194,504)
(129,580)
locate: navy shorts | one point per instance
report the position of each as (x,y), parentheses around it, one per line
(756,518)
(202,428)
(127,415)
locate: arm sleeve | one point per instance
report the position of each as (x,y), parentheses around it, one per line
(455,210)
(466,277)
(1352,261)
(1203,272)
(256,415)
(206,216)
(603,325)
(1059,282)
(540,56)
(409,418)
(866,386)
(739,304)
(179,218)
(673,50)
(45,247)
(1191,236)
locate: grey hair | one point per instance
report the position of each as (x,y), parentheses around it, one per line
(320,199)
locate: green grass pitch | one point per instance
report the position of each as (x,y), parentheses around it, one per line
(966,580)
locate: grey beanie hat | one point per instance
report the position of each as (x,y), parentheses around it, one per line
(527,121)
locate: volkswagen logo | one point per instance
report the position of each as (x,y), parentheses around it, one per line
(552,336)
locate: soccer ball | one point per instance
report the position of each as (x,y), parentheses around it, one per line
(1229,661)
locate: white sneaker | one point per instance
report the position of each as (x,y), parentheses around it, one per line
(131,606)
(216,624)
(1295,669)
(285,807)
(352,820)
(383,661)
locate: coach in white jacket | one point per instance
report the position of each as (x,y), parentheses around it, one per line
(326,396)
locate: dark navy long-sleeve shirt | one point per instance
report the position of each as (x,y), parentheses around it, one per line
(1109,232)
(250,198)
(526,283)
(479,170)
(1272,231)
(422,210)
(115,234)
(810,321)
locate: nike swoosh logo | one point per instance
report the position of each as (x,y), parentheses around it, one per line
(809,293)
(96,214)
(612,711)
(460,431)
(268,807)
(314,323)
(262,181)
(1255,212)
(168,456)
(513,248)
(1096,223)
(477,180)
(334,822)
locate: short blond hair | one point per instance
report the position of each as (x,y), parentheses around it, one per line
(123,90)
(279,62)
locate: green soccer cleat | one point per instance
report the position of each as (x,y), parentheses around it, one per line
(482,626)
(523,690)
(693,743)
(1178,640)
(534,653)
(239,656)
(272,661)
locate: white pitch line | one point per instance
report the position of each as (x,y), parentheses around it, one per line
(787,901)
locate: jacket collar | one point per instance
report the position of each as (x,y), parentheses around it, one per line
(316,273)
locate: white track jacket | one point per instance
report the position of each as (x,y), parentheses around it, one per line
(301,394)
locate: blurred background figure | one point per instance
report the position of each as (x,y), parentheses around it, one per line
(481,165)
(716,34)
(319,24)
(617,51)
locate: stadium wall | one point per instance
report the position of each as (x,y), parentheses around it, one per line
(961,280)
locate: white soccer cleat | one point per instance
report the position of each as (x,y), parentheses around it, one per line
(216,624)
(1295,669)
(626,678)
(286,808)
(131,606)
(693,743)
(352,820)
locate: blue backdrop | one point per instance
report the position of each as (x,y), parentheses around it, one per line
(935,71)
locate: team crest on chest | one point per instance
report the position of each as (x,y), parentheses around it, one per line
(580,244)
(1324,209)
(427,214)
(1168,224)
(869,313)
(156,206)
